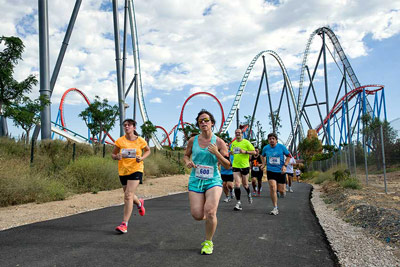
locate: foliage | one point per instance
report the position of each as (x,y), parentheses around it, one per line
(10,89)
(308,147)
(224,136)
(352,183)
(341,175)
(100,117)
(309,175)
(275,121)
(322,177)
(26,114)
(54,175)
(327,152)
(147,130)
(189,131)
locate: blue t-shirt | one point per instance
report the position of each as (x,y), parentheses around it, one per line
(275,157)
(227,171)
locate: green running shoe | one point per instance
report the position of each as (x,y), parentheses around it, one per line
(207,248)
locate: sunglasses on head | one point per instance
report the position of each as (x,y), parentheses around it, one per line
(203,120)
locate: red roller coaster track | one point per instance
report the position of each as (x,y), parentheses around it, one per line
(203,93)
(350,95)
(61,108)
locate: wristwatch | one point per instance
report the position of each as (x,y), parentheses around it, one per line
(285,165)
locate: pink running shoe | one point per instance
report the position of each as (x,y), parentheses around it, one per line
(142,210)
(122,228)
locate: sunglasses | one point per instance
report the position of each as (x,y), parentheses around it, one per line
(203,120)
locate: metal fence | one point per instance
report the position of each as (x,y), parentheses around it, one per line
(377,169)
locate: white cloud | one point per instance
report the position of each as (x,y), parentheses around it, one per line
(156,100)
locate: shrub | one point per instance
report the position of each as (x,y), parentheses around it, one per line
(89,174)
(352,183)
(341,175)
(322,177)
(309,175)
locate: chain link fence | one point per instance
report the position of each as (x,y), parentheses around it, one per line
(377,167)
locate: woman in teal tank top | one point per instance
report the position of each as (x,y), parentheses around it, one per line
(203,153)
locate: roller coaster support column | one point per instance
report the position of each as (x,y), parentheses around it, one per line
(350,146)
(44,67)
(364,140)
(135,53)
(258,96)
(121,100)
(328,130)
(269,95)
(124,48)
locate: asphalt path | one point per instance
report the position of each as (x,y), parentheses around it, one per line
(168,236)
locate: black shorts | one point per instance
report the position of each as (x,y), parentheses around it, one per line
(289,174)
(227,177)
(257,175)
(277,176)
(134,176)
(243,171)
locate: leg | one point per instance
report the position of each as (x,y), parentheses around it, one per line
(245,181)
(237,178)
(225,188)
(197,205)
(281,189)
(254,183)
(130,198)
(212,197)
(259,179)
(272,192)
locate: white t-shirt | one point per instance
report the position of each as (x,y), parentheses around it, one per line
(289,168)
(297,172)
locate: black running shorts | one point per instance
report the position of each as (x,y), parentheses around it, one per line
(277,176)
(133,176)
(243,171)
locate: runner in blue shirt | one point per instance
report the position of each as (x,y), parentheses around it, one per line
(274,158)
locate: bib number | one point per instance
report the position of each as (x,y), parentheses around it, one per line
(256,169)
(274,160)
(204,172)
(236,150)
(128,153)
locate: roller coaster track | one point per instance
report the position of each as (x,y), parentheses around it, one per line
(243,83)
(339,50)
(136,56)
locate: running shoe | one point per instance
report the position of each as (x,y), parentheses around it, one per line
(227,199)
(141,209)
(290,190)
(122,228)
(238,206)
(254,193)
(207,248)
(259,194)
(274,211)
(250,199)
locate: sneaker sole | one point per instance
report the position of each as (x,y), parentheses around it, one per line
(120,231)
(237,209)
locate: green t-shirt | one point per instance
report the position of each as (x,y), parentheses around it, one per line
(241,160)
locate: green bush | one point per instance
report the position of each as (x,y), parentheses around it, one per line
(352,183)
(322,177)
(89,174)
(309,175)
(341,175)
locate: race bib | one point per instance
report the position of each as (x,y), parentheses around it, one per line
(236,150)
(275,160)
(128,152)
(256,169)
(204,172)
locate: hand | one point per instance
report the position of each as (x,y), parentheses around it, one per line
(283,170)
(139,158)
(213,149)
(118,156)
(190,164)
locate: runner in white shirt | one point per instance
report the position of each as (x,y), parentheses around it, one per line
(289,174)
(298,172)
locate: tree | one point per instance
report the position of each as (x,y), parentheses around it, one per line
(189,131)
(275,122)
(26,114)
(11,90)
(99,117)
(309,147)
(147,130)
(372,133)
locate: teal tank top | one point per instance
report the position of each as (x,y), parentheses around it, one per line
(201,156)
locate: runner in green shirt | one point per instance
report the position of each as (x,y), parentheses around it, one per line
(241,149)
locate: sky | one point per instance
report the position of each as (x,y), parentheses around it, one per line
(206,46)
